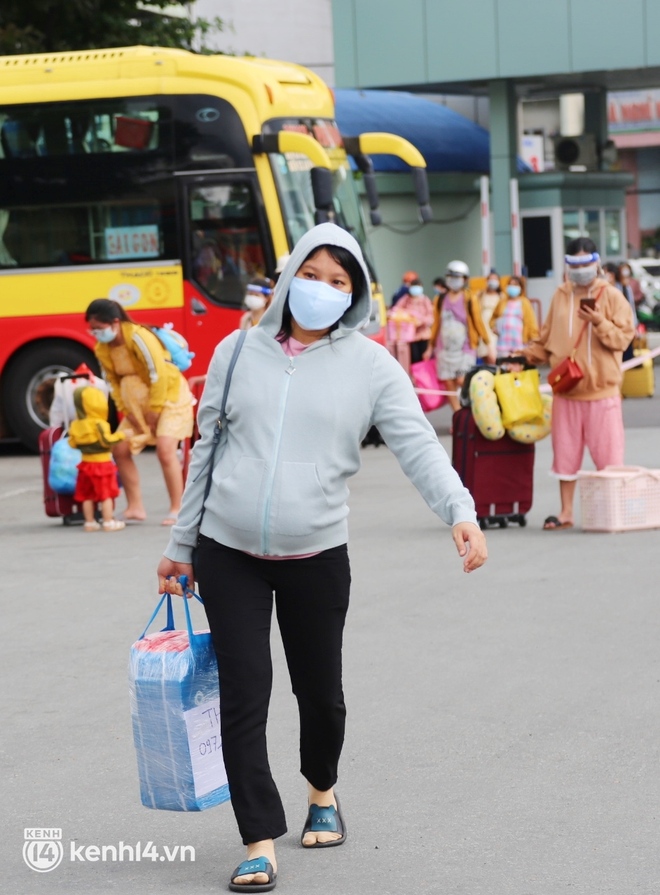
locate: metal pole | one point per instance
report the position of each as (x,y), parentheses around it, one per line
(516,248)
(485,225)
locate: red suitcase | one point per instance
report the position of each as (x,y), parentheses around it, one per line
(498,474)
(56,505)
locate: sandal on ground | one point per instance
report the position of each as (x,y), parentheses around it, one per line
(247,868)
(170,519)
(553,523)
(91,526)
(114,525)
(324,820)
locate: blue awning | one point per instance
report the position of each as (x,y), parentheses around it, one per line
(448,141)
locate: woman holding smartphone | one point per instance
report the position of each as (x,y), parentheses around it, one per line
(588,312)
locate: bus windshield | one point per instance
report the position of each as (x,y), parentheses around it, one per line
(291,172)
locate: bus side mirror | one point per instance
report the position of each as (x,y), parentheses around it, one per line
(369,179)
(366,167)
(322,192)
(422,194)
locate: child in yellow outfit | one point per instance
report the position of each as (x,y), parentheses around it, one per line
(97,473)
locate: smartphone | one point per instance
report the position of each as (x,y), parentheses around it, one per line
(588,303)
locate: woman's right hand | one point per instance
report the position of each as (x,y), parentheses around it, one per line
(135,425)
(169,572)
(428,353)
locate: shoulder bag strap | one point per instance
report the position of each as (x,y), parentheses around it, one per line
(217,430)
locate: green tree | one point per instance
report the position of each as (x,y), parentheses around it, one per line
(46,26)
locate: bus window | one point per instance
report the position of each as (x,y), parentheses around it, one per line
(348,212)
(208,133)
(52,235)
(294,186)
(54,129)
(6,259)
(226,246)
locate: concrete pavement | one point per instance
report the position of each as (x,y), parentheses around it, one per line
(503,731)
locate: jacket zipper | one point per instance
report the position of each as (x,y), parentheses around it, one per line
(265,540)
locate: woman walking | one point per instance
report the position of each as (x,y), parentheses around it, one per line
(306,387)
(151,393)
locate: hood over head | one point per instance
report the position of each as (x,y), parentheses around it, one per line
(355,317)
(90,403)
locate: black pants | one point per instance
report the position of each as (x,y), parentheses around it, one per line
(311,598)
(417,349)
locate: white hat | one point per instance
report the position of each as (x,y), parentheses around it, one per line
(458,269)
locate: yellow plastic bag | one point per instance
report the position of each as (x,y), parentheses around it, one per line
(527,433)
(519,397)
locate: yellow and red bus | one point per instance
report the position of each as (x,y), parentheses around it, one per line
(165,180)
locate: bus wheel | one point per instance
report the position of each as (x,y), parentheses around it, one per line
(26,417)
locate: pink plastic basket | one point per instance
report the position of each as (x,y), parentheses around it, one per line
(620,498)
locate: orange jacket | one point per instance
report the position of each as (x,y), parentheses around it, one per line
(475,325)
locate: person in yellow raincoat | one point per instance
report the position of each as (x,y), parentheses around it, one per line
(150,392)
(97,474)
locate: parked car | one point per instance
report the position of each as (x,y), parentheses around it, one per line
(647,272)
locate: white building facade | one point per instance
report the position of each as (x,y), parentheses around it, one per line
(293,30)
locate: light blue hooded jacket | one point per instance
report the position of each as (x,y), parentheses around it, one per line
(293,430)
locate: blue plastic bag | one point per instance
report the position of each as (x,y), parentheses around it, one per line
(63,467)
(175,710)
(172,341)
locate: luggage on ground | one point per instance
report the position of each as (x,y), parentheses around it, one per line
(499,474)
(56,505)
(639,382)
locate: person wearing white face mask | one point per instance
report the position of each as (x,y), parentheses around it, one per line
(513,320)
(590,317)
(151,393)
(457,328)
(419,307)
(258,296)
(306,387)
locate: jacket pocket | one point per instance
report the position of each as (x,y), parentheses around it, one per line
(237,495)
(301,506)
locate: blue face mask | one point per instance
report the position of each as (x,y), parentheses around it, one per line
(416,290)
(104,335)
(513,291)
(316,305)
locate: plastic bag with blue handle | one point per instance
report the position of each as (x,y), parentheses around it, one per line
(63,467)
(175,710)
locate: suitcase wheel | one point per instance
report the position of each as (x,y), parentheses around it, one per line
(503,521)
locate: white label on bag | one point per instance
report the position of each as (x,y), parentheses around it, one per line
(205,744)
